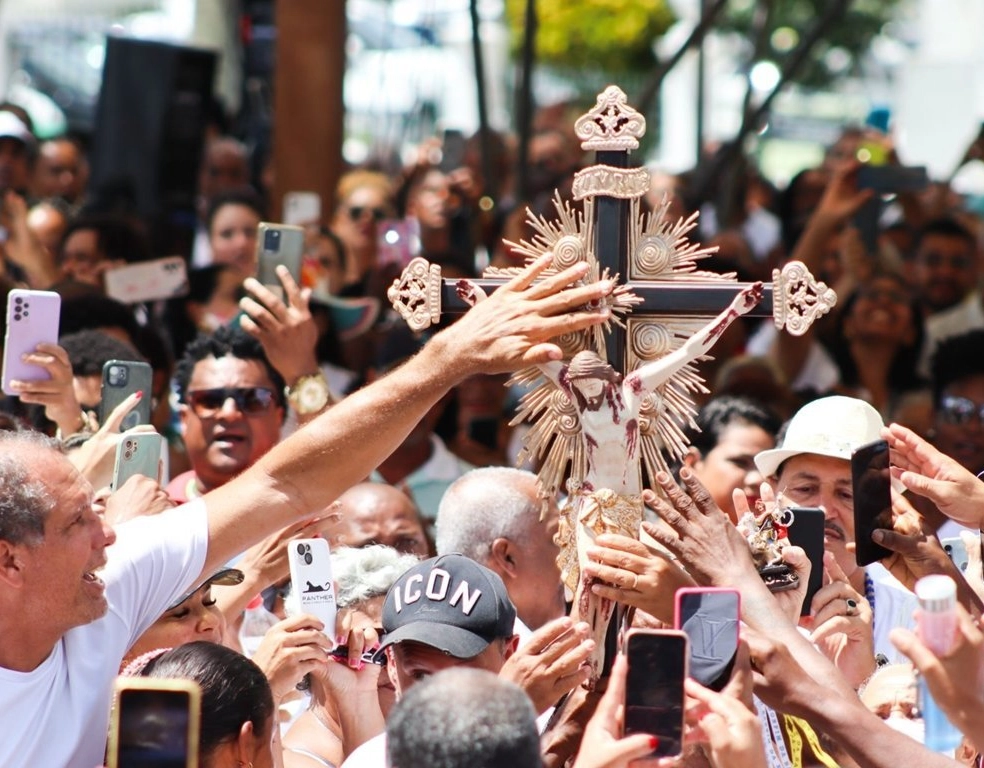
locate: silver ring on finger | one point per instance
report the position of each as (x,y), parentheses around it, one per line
(852,606)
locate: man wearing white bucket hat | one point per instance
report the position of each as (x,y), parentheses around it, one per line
(812,468)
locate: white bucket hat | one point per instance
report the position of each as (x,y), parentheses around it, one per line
(831,426)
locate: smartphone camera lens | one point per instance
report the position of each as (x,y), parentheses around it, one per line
(117,376)
(17,316)
(271,240)
(18,300)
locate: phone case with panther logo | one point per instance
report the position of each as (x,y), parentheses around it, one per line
(311,580)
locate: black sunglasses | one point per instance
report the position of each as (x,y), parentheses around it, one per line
(355,212)
(960,410)
(206,403)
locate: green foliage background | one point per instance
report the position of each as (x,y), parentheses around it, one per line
(612,35)
(863,20)
(616,37)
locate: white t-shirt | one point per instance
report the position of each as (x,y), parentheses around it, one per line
(894,607)
(58,714)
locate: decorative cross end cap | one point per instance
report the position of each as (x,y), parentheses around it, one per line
(611,125)
(798,298)
(416,294)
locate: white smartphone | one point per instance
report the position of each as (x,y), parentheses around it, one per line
(138,454)
(311,580)
(154,280)
(956,551)
(32,317)
(302,209)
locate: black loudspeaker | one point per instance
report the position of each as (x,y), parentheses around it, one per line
(149,132)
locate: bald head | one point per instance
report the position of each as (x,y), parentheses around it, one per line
(483,505)
(495,515)
(376,513)
(463,718)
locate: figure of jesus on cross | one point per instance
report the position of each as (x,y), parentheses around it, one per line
(608,497)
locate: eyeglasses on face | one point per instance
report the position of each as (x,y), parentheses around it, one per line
(960,410)
(206,403)
(356,212)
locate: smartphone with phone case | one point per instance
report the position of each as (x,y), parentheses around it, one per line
(956,551)
(806,532)
(32,318)
(654,696)
(155,280)
(120,379)
(302,208)
(138,454)
(872,485)
(278,244)
(154,721)
(710,617)
(311,580)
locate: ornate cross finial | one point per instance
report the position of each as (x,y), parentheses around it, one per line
(612,125)
(799,298)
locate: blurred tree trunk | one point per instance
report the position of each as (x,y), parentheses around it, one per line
(308,109)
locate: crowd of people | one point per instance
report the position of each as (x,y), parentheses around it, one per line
(314,412)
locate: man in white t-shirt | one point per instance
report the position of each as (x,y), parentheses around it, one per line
(64,628)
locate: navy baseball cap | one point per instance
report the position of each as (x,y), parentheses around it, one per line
(450,603)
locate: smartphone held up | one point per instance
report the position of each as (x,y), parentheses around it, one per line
(654,694)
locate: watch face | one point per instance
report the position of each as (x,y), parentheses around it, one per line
(312,395)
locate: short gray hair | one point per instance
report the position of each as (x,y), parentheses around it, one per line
(25,501)
(463,718)
(362,573)
(483,505)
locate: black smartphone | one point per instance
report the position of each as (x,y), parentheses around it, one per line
(121,378)
(654,695)
(452,151)
(154,722)
(872,481)
(892,179)
(484,431)
(806,531)
(710,617)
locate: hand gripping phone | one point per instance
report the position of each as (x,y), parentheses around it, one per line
(154,722)
(654,696)
(872,484)
(32,318)
(121,378)
(138,454)
(311,580)
(710,617)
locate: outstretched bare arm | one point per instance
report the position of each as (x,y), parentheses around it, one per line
(652,374)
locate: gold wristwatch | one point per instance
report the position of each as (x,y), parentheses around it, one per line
(309,394)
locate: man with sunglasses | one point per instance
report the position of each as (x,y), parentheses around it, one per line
(958,408)
(231,409)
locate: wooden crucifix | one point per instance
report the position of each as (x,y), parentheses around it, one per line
(620,400)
